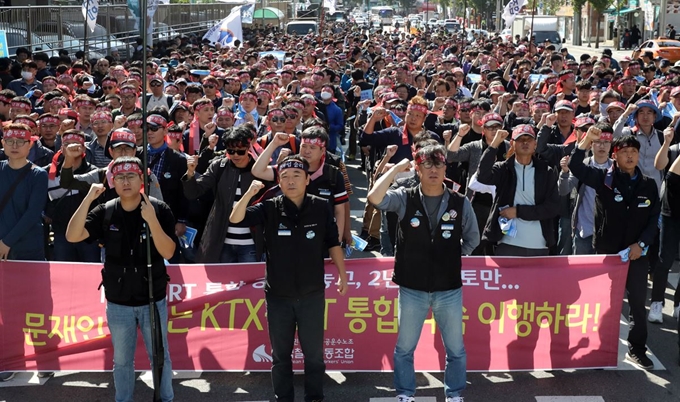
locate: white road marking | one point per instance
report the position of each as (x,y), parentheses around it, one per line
(569,399)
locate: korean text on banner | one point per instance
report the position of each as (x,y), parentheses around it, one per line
(518,314)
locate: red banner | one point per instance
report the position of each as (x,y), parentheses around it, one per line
(519,314)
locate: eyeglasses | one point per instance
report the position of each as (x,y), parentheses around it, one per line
(108,88)
(601,143)
(15,142)
(430,164)
(100,123)
(278,119)
(128,97)
(154,128)
(122,178)
(239,152)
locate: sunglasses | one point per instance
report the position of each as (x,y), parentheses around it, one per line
(464,110)
(239,152)
(291,115)
(156,84)
(154,128)
(209,86)
(278,119)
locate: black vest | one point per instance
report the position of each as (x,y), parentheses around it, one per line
(426,260)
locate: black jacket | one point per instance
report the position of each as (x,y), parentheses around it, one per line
(222,178)
(503,176)
(626,211)
(170,180)
(295,240)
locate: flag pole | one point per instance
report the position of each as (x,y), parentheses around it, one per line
(154,318)
(85,29)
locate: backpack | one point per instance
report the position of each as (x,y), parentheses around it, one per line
(111,205)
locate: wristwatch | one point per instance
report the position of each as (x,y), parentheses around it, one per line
(642,244)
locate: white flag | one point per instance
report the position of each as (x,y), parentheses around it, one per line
(247,12)
(330,5)
(226,31)
(511,10)
(90,11)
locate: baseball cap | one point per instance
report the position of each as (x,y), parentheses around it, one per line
(620,105)
(123,136)
(564,105)
(523,129)
(491,119)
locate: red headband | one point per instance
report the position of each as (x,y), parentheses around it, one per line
(84,102)
(313,141)
(18,133)
(565,77)
(417,108)
(59,102)
(244,96)
(20,105)
(125,91)
(201,106)
(48,120)
(112,82)
(157,119)
(175,135)
(73,137)
(126,168)
(422,158)
(225,113)
(134,123)
(604,136)
(101,116)
(28,122)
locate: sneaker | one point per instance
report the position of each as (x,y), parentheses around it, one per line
(655,313)
(45,374)
(640,359)
(454,399)
(676,311)
(7,375)
(373,244)
(404,398)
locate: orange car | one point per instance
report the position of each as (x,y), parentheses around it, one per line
(667,48)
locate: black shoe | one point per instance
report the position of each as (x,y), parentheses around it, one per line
(45,374)
(640,359)
(373,244)
(364,234)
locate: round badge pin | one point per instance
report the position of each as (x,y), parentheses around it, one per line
(415,222)
(446,216)
(167,175)
(618,198)
(446,234)
(453,213)
(310,235)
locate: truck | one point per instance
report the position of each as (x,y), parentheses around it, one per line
(544,27)
(302,27)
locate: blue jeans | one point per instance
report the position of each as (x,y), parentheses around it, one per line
(583,245)
(447,309)
(123,322)
(233,253)
(75,252)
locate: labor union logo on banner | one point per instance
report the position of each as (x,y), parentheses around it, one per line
(226,36)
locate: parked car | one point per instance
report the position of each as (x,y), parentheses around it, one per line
(669,49)
(17,37)
(98,40)
(70,44)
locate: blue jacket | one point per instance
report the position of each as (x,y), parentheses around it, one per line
(336,123)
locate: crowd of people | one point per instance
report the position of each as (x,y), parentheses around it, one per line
(469,147)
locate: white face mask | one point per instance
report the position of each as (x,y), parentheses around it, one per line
(27,75)
(326,95)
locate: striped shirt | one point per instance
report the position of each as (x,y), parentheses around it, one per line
(99,158)
(237,234)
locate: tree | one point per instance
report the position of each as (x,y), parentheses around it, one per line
(578,9)
(551,7)
(600,6)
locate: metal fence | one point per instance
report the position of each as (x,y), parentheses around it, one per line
(51,28)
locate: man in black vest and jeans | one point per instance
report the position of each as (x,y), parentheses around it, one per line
(119,224)
(436,227)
